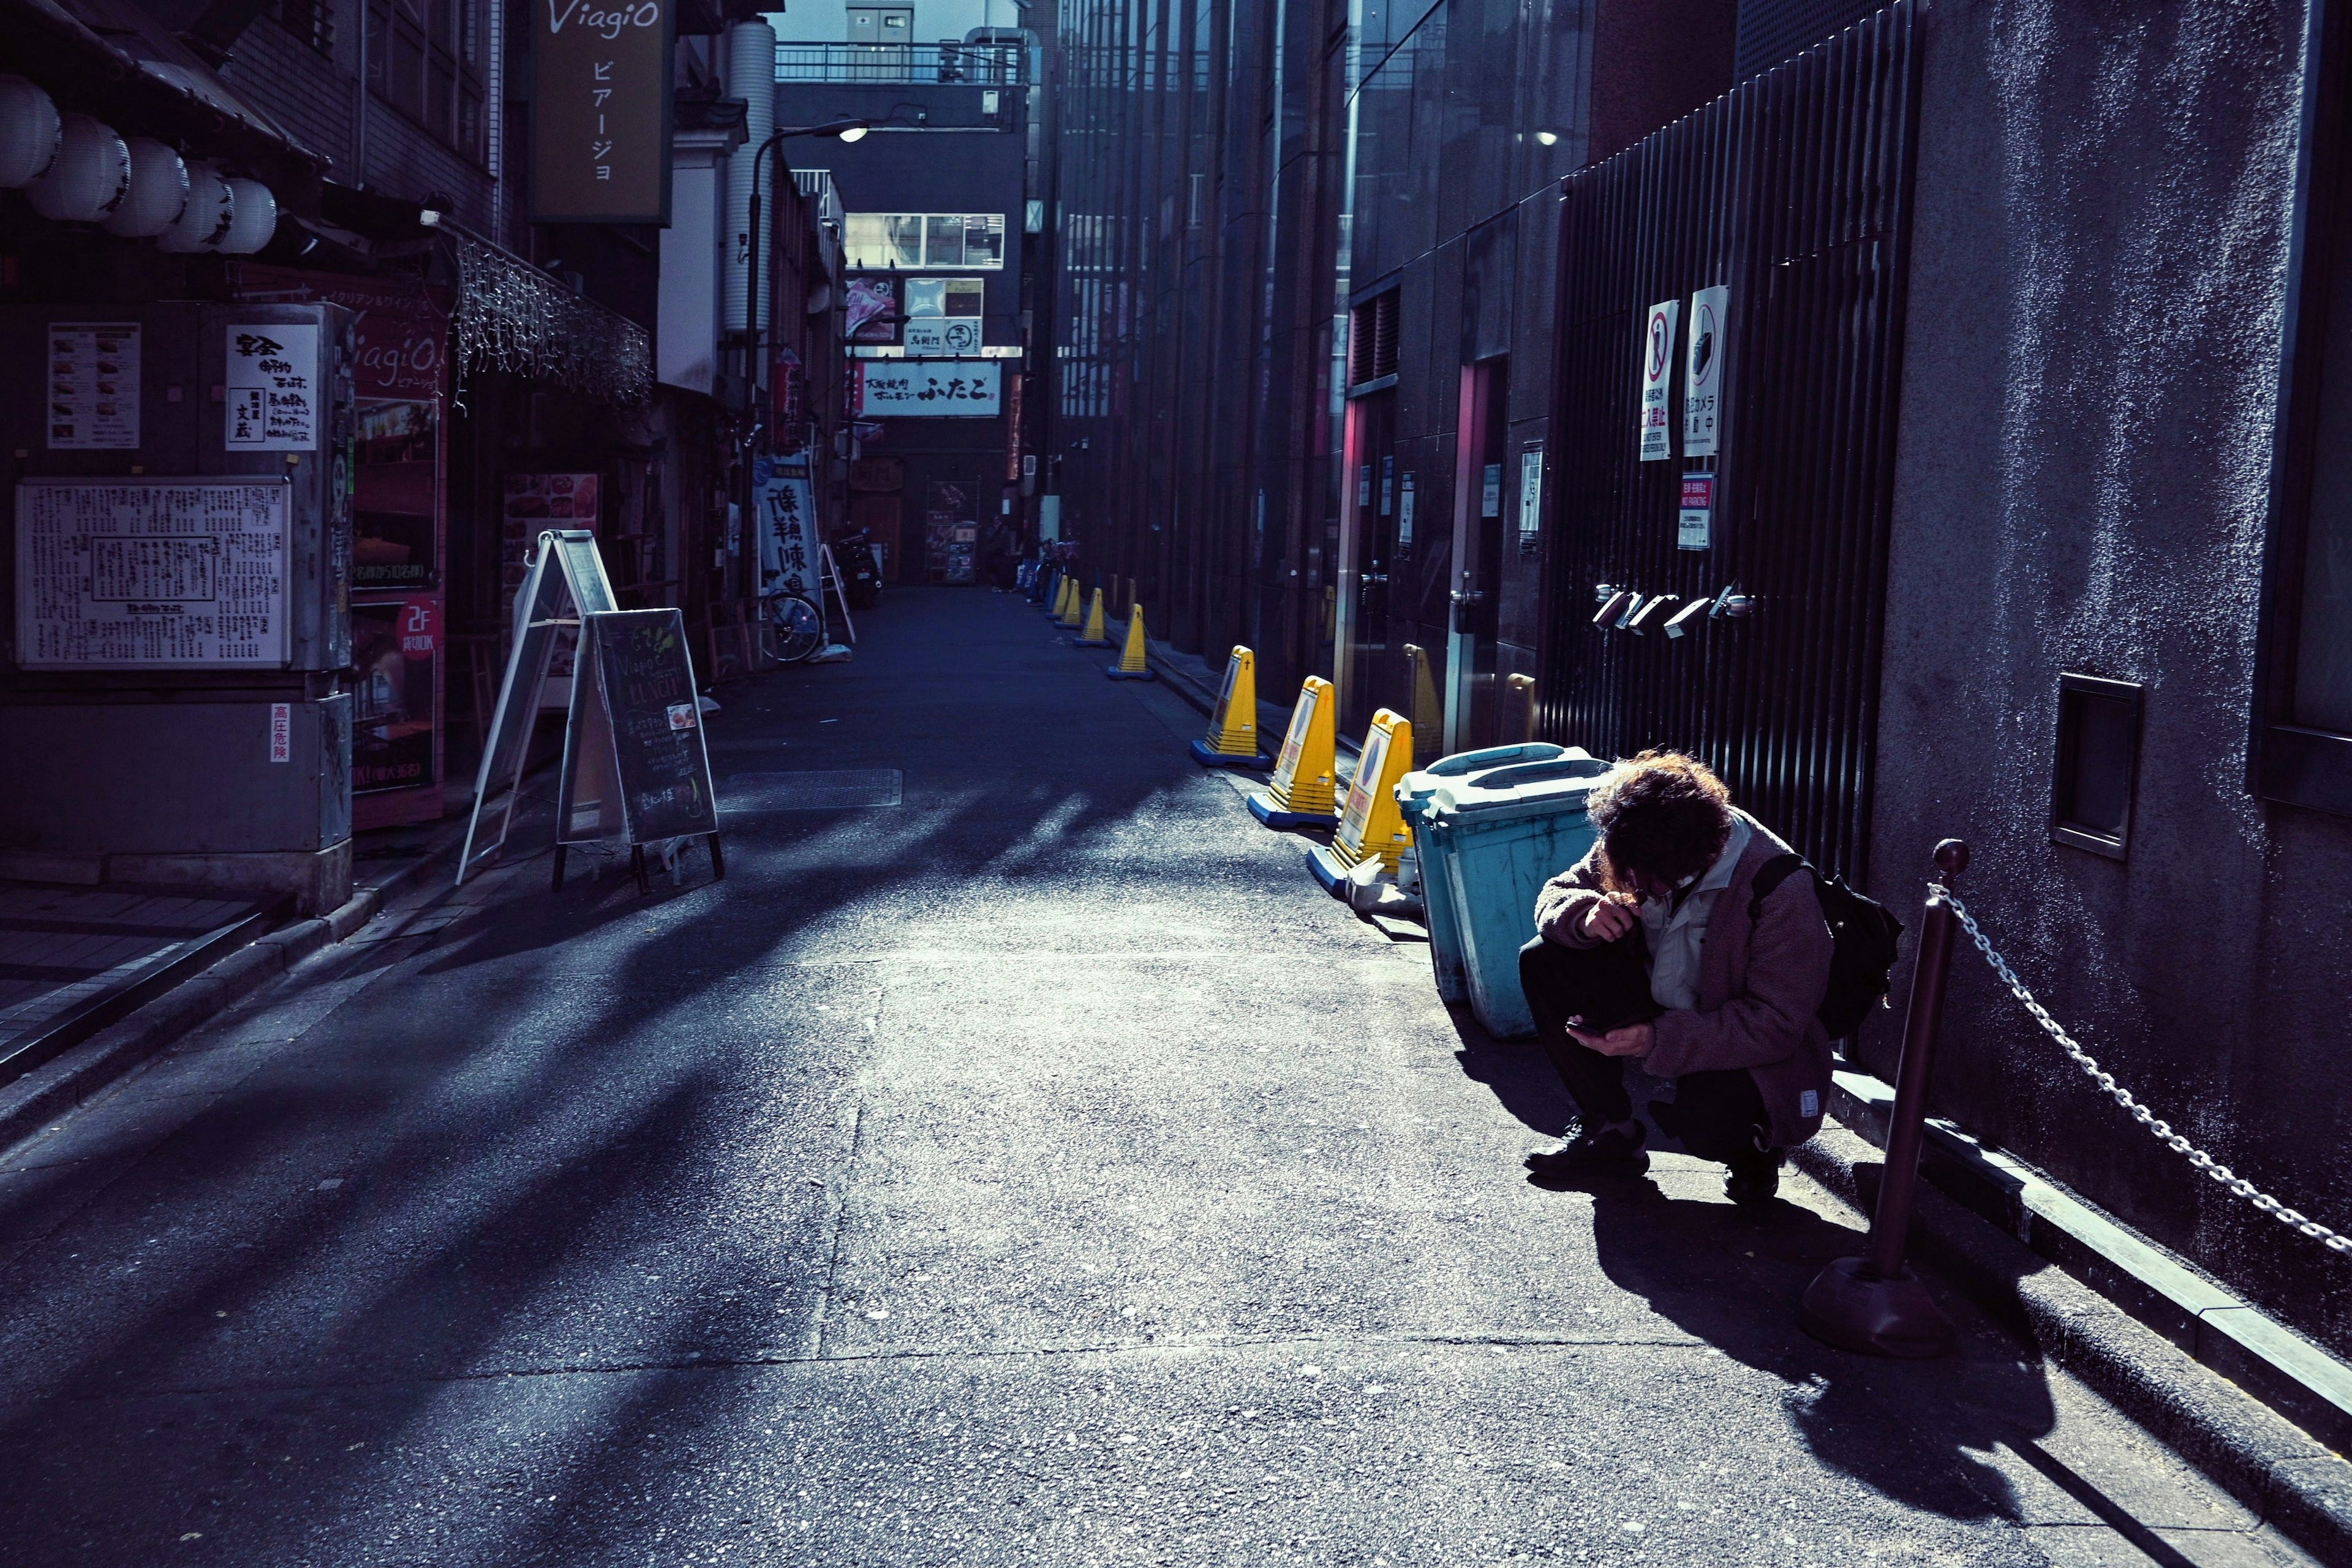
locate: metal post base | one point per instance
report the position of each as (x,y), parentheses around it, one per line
(1848,1307)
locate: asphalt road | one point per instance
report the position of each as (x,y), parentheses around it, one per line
(1040,1170)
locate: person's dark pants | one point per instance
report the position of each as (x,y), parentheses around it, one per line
(1717,1115)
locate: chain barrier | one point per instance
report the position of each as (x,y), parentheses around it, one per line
(2334,1241)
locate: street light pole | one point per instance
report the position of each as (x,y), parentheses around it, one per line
(843,130)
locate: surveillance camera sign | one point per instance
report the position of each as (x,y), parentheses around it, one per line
(1657,376)
(1703,373)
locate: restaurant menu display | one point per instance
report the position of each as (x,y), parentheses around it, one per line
(93,384)
(153,573)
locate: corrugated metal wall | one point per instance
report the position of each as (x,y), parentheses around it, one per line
(1771,31)
(1794,190)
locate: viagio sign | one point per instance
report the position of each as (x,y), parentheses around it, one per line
(599,111)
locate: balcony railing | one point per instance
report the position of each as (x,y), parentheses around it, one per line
(982,64)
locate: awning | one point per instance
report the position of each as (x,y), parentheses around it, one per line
(113,48)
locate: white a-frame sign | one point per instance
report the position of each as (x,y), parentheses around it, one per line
(566,583)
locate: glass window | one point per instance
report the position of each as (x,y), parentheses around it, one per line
(945,247)
(904,237)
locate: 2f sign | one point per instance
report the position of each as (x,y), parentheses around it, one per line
(1703,373)
(1657,377)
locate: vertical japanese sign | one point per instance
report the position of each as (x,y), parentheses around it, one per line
(599,111)
(1703,373)
(1657,376)
(1530,497)
(272,405)
(787,525)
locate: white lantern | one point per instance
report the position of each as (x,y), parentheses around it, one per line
(255,219)
(159,191)
(204,222)
(28,131)
(89,177)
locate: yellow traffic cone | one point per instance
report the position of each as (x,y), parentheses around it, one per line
(1070,611)
(1428,716)
(1300,795)
(1094,636)
(1233,728)
(1131,665)
(1369,824)
(1064,587)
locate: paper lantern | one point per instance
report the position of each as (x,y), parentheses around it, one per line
(254,220)
(89,176)
(204,222)
(28,131)
(159,191)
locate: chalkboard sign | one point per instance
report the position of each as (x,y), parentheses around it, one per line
(635,767)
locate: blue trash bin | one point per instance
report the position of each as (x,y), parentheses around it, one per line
(1507,831)
(1413,793)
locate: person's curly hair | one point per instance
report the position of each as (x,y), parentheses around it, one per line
(1661,813)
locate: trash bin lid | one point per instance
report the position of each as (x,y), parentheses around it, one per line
(1417,785)
(1528,789)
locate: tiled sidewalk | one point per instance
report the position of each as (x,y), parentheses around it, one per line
(62,949)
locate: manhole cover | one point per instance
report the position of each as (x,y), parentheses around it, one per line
(825,789)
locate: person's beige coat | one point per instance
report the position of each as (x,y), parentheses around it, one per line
(1760,983)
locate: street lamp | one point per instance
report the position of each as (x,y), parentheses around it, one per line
(847,129)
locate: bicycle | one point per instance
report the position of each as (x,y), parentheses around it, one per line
(791,627)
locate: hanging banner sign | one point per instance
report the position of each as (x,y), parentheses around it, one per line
(1703,373)
(787,529)
(599,111)
(930,389)
(1696,530)
(1657,375)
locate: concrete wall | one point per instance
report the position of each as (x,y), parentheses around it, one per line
(2103,200)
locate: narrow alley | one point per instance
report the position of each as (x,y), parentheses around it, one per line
(1032,1166)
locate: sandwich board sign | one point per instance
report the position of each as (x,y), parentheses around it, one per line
(565,581)
(635,766)
(1658,430)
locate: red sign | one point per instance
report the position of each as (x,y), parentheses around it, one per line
(420,628)
(404,342)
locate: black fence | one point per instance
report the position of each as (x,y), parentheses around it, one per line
(1794,190)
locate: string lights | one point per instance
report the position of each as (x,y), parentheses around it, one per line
(513,318)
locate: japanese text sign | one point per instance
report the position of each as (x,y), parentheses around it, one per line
(1657,375)
(273,401)
(787,529)
(600,124)
(1703,373)
(930,389)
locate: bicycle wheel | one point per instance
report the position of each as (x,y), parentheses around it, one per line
(798,628)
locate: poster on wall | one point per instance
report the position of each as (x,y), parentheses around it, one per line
(93,386)
(871,309)
(1657,429)
(787,529)
(1703,373)
(162,573)
(272,405)
(396,646)
(928,389)
(599,111)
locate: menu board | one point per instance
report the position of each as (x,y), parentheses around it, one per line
(93,382)
(635,766)
(152,574)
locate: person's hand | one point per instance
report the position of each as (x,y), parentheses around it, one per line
(1608,918)
(1633,1040)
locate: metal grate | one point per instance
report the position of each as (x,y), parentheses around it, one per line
(1373,339)
(824,789)
(1793,189)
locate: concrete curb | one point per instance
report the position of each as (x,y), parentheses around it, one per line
(78,1075)
(2291,1480)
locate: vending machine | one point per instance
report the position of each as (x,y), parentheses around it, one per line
(177,650)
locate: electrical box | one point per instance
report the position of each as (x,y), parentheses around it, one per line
(175,618)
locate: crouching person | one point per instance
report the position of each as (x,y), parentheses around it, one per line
(1653,949)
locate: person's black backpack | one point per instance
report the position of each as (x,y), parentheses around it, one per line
(1861,966)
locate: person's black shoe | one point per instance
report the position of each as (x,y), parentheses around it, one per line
(1754,1178)
(1603,1154)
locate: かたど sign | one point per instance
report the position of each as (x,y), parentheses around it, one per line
(599,111)
(273,401)
(930,389)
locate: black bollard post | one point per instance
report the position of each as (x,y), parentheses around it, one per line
(1874,1303)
